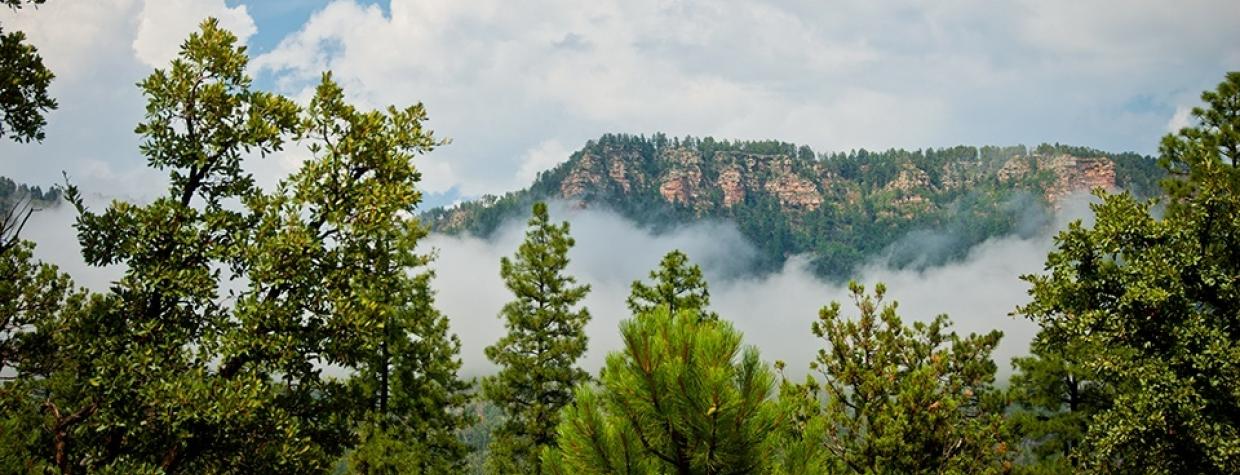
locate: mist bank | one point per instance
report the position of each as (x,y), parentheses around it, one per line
(774,310)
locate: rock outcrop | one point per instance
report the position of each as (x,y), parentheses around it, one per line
(1014,169)
(1074,174)
(730,182)
(582,178)
(794,192)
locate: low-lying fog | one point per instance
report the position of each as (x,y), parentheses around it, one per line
(774,311)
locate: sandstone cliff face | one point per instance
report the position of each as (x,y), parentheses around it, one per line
(583,177)
(1079,174)
(619,174)
(730,183)
(1014,169)
(794,192)
(804,187)
(958,175)
(909,180)
(682,183)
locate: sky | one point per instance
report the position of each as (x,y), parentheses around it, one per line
(518,89)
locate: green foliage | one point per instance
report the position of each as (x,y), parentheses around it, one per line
(683,397)
(23,84)
(176,371)
(1151,300)
(1054,399)
(900,399)
(677,285)
(420,404)
(537,358)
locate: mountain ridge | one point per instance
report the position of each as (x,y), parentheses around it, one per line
(841,208)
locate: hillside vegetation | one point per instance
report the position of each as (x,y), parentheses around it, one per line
(842,208)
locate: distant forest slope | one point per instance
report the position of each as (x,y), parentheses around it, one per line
(842,209)
(13,194)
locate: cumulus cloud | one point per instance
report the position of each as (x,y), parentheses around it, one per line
(541,158)
(1181,119)
(502,80)
(99,50)
(164,24)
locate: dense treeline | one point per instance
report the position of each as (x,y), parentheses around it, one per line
(869,199)
(295,330)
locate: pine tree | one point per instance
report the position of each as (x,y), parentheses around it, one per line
(1151,299)
(538,356)
(418,400)
(1054,398)
(676,284)
(683,397)
(903,399)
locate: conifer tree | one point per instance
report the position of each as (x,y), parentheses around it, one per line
(676,284)
(903,399)
(418,402)
(538,356)
(683,397)
(1053,400)
(1151,299)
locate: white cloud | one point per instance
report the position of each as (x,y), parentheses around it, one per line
(546,155)
(164,24)
(775,311)
(501,80)
(1181,119)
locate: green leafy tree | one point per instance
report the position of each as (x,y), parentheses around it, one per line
(29,291)
(175,370)
(538,356)
(903,399)
(23,84)
(683,397)
(1151,298)
(676,284)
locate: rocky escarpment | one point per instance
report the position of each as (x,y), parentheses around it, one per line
(1067,174)
(800,186)
(788,200)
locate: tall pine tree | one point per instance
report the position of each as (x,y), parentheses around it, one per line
(538,356)
(676,284)
(418,402)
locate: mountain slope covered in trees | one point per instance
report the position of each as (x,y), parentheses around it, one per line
(843,208)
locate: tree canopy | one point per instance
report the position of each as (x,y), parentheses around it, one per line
(538,356)
(1150,295)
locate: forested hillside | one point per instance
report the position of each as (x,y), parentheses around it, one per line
(12,192)
(842,208)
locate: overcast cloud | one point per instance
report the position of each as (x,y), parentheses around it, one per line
(518,88)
